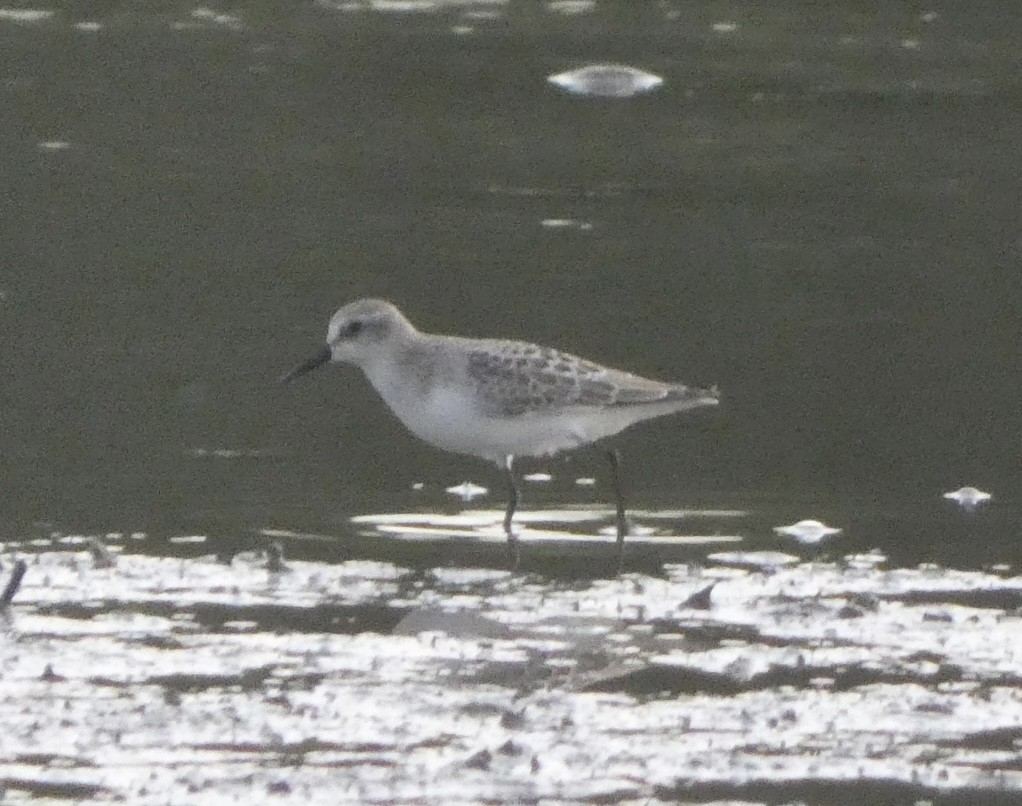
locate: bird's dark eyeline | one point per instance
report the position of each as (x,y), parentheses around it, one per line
(311,363)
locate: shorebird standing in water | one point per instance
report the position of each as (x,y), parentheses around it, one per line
(496,399)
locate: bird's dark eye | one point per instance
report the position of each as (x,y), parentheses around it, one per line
(353,328)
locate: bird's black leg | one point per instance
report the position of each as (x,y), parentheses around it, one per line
(622,522)
(512,503)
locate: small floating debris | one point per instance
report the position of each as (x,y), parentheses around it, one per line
(606,81)
(807,532)
(467,491)
(586,482)
(755,560)
(700,600)
(571,8)
(538,478)
(727,27)
(54,145)
(418,485)
(25,14)
(865,560)
(968,498)
(187,539)
(216,18)
(566,223)
(224,453)
(102,557)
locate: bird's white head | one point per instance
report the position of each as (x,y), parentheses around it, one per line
(359,333)
(365,328)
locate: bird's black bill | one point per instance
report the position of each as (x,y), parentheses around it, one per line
(308,365)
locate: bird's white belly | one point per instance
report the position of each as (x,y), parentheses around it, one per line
(450,421)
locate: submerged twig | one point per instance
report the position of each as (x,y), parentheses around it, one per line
(275,558)
(20,566)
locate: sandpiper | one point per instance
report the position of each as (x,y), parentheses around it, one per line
(496,399)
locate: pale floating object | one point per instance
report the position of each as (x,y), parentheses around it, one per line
(753,559)
(418,485)
(866,559)
(539,478)
(606,81)
(25,14)
(725,27)
(225,453)
(586,482)
(968,498)
(572,8)
(185,539)
(54,145)
(807,532)
(207,14)
(467,491)
(566,223)
(88,26)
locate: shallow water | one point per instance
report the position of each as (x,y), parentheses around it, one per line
(816,211)
(746,674)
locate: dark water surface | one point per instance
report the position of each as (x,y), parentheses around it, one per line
(818,211)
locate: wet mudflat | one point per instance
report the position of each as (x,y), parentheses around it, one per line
(738,673)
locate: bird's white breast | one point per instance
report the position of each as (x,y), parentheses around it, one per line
(450,418)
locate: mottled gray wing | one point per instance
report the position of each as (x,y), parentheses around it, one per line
(515,378)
